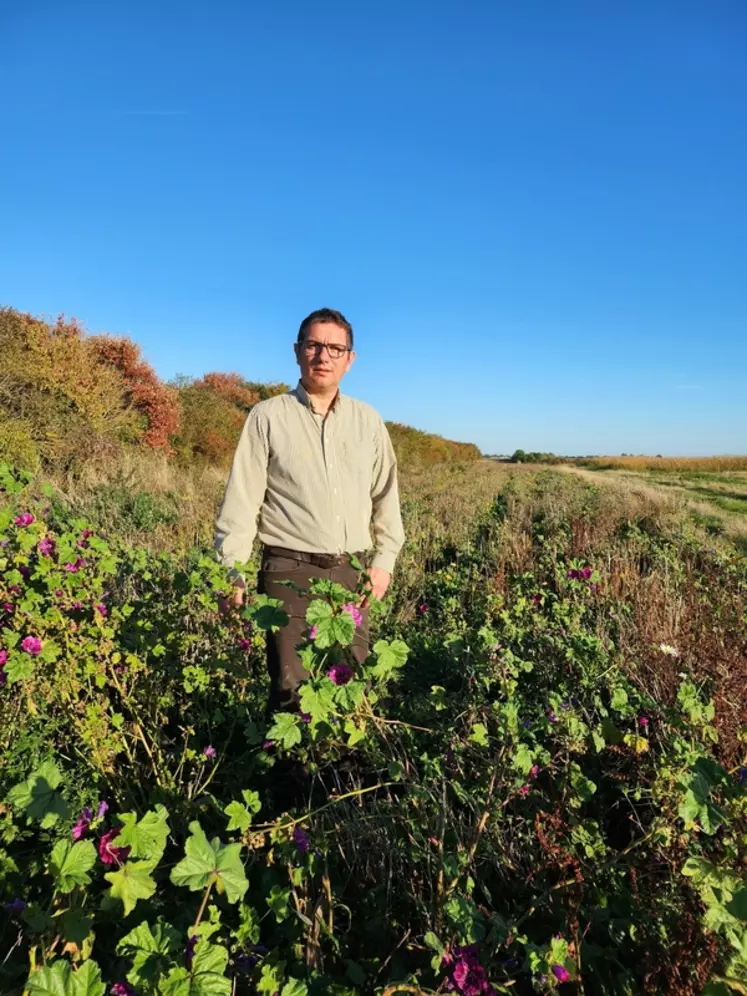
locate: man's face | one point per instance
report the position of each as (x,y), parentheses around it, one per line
(320,368)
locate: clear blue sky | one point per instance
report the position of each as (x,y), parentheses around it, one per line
(534,214)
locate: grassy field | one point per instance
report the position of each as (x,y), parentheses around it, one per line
(537,783)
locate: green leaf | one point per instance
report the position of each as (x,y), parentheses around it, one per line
(522,759)
(239,816)
(479,735)
(76,926)
(433,942)
(20,667)
(268,613)
(38,796)
(277,900)
(132,881)
(70,863)
(58,979)
(317,702)
(214,862)
(295,988)
(150,950)
(285,730)
(146,837)
(206,978)
(251,800)
(389,657)
(318,612)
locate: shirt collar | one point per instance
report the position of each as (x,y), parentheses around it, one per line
(302,395)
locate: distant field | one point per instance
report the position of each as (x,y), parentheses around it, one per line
(706,464)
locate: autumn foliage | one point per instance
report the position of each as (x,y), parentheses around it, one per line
(67,398)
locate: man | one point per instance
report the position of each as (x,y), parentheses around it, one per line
(318,469)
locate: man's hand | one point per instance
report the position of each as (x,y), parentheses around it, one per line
(380,580)
(234,600)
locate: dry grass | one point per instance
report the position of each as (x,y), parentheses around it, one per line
(707,464)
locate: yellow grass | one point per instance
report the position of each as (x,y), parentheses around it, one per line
(714,463)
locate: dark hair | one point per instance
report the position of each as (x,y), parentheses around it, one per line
(322,316)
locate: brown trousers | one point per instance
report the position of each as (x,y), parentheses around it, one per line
(283,663)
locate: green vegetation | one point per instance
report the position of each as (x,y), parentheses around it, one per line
(535,783)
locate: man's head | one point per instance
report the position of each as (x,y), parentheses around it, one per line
(324,349)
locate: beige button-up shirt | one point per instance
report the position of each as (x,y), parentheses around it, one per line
(317,484)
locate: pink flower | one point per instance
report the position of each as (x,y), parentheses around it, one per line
(32,645)
(102,610)
(534,771)
(3,658)
(561,973)
(84,821)
(354,611)
(46,546)
(643,721)
(312,632)
(109,854)
(121,989)
(210,752)
(73,568)
(339,674)
(24,520)
(525,790)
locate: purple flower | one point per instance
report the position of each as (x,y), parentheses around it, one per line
(586,573)
(210,752)
(551,717)
(574,575)
(102,810)
(122,989)
(561,973)
(3,679)
(109,854)
(73,568)
(244,644)
(24,520)
(84,821)
(354,611)
(305,717)
(312,632)
(16,907)
(189,951)
(339,674)
(423,608)
(268,745)
(301,840)
(86,533)
(102,610)
(466,974)
(46,546)
(9,607)
(537,598)
(32,645)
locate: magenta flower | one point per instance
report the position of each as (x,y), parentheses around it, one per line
(305,717)
(466,974)
(210,752)
(109,854)
(268,745)
(102,610)
(423,608)
(301,840)
(355,612)
(525,790)
(339,674)
(537,598)
(312,632)
(122,989)
(73,568)
(643,721)
(102,810)
(534,771)
(32,645)
(586,573)
(46,546)
(84,821)
(3,658)
(244,644)
(561,973)
(24,520)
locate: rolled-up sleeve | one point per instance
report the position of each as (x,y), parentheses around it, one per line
(388,532)
(236,525)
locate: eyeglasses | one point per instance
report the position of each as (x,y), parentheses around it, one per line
(313,348)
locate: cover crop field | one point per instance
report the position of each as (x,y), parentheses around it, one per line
(536,784)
